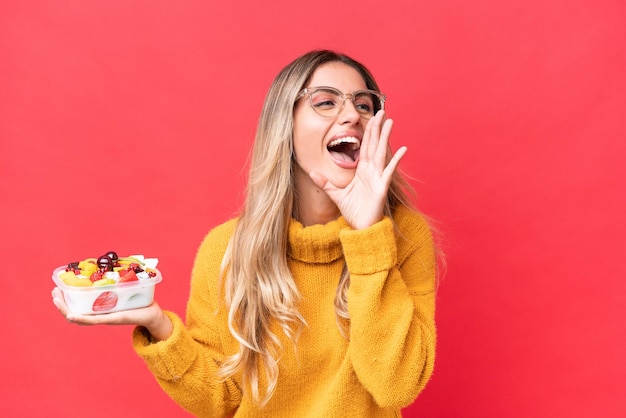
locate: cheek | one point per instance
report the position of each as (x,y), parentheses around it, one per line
(307,137)
(308,145)
(309,131)
(302,149)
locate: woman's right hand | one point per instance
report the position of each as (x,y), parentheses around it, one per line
(151,317)
(362,201)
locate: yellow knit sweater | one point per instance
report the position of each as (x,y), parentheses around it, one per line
(383,366)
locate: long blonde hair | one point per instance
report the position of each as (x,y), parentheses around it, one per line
(258,286)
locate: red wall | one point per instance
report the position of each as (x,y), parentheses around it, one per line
(126,125)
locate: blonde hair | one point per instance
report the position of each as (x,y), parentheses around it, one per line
(258,285)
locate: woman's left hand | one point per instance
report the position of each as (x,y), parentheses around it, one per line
(362,201)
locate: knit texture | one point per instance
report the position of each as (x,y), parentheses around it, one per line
(382,367)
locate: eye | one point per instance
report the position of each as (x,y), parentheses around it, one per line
(323,99)
(364,102)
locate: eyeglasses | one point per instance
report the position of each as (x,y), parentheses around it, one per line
(328,101)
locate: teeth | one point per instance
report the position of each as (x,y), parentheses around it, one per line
(346,140)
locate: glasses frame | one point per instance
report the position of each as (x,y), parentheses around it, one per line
(308,91)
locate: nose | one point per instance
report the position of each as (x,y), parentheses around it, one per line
(349,113)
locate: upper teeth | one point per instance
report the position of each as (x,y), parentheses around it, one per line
(346,140)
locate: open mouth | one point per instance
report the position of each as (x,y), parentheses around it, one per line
(345,149)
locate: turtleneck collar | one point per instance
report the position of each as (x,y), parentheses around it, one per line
(315,243)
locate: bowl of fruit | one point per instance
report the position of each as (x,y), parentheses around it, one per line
(108,283)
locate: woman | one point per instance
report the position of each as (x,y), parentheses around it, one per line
(318,300)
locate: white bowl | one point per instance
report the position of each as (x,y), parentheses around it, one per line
(107,298)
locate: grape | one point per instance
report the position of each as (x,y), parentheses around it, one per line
(105,263)
(113,256)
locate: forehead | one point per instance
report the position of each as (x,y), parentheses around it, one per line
(338,75)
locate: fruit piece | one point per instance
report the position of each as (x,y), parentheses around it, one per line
(70,279)
(67,275)
(104,302)
(127,276)
(113,256)
(105,263)
(103,282)
(86,264)
(87,269)
(128,260)
(136,267)
(150,262)
(96,275)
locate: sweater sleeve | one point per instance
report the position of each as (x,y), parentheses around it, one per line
(186,364)
(391,301)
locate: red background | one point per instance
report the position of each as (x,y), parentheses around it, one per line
(126,125)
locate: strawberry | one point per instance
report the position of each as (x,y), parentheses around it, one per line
(128,275)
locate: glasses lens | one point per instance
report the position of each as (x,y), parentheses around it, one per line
(326,102)
(366,103)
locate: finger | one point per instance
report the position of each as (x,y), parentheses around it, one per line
(366,140)
(375,134)
(59,301)
(113,318)
(393,163)
(88,319)
(380,157)
(321,181)
(370,136)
